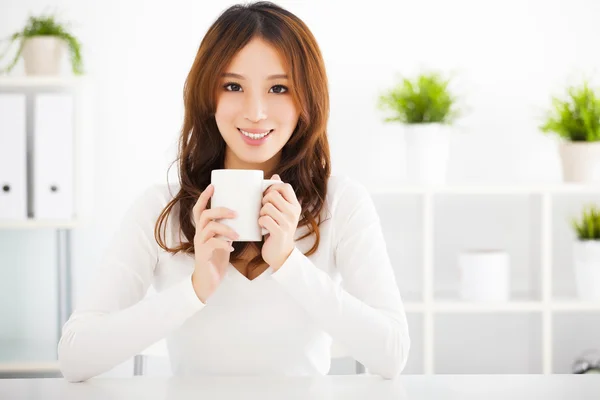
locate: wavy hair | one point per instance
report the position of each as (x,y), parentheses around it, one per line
(305,160)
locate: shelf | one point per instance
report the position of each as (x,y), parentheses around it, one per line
(508,189)
(28,370)
(40,81)
(509,344)
(459,306)
(451,306)
(565,350)
(35,224)
(575,305)
(29,367)
(522,306)
(28,358)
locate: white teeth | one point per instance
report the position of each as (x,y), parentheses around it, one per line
(255,136)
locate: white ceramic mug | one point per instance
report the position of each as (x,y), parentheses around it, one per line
(241,190)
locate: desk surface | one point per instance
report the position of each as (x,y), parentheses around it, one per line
(346,387)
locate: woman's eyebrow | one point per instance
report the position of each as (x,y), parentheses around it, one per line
(238,76)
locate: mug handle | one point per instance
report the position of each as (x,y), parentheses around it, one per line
(265,185)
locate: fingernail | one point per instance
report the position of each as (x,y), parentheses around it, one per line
(231,248)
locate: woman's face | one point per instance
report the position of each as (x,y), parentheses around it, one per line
(253,100)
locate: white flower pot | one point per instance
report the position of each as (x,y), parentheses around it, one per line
(43,55)
(427,148)
(586,261)
(484,275)
(580,161)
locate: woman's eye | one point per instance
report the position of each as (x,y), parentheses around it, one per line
(280,89)
(232,87)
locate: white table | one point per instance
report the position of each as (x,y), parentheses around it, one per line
(346,387)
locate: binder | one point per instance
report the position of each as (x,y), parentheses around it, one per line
(13,156)
(53,157)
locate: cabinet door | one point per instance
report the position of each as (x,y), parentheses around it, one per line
(28,296)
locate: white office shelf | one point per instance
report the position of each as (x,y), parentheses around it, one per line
(29,367)
(574,305)
(450,306)
(39,224)
(543,304)
(40,82)
(458,307)
(557,188)
(31,85)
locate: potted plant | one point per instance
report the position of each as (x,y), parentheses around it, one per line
(426,108)
(586,253)
(42,43)
(576,120)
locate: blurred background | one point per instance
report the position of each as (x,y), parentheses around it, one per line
(484,257)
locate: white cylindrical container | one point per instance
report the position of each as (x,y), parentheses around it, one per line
(580,161)
(484,275)
(427,153)
(43,54)
(586,261)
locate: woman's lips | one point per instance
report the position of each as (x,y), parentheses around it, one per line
(249,130)
(255,142)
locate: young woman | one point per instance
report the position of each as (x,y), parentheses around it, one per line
(256,98)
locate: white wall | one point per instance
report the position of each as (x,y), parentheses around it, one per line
(510,56)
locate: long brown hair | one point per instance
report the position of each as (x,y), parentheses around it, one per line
(305,160)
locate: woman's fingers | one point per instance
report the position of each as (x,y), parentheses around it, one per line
(214,228)
(215,243)
(202,201)
(206,251)
(202,216)
(213,214)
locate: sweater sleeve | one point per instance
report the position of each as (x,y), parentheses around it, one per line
(366,314)
(114,321)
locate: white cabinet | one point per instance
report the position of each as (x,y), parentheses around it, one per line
(13,156)
(44,167)
(426,228)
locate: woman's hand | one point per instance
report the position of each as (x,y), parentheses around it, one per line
(279,215)
(211,253)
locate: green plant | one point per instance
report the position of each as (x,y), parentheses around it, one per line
(588,226)
(45,25)
(424,99)
(576,118)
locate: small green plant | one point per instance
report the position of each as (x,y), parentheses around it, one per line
(424,99)
(588,226)
(44,25)
(577,117)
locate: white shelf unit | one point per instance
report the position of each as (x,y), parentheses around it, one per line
(30,85)
(41,82)
(30,369)
(40,224)
(429,307)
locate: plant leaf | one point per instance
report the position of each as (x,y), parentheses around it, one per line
(575,117)
(422,99)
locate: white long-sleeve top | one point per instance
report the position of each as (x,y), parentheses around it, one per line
(281,322)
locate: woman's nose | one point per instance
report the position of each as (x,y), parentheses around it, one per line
(255,109)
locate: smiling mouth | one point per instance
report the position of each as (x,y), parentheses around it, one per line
(255,136)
